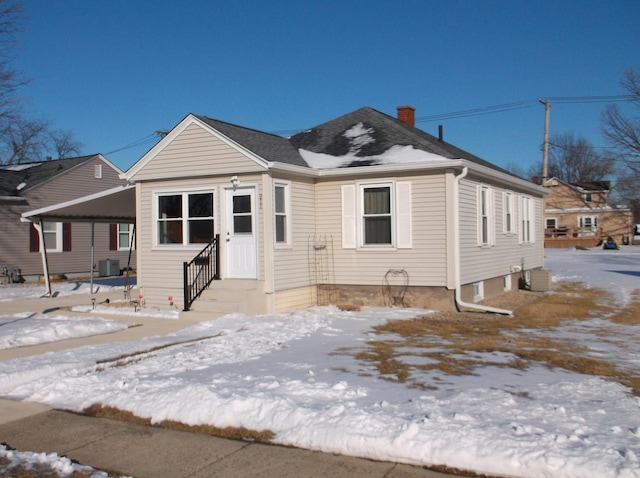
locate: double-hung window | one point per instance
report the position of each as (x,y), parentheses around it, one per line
(52,233)
(125,236)
(56,237)
(185,218)
(507,200)
(486,216)
(588,221)
(282,213)
(377,221)
(527,220)
(376,214)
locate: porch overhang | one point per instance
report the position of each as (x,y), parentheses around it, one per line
(115,205)
(112,206)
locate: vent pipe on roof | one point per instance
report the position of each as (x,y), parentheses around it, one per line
(440,133)
(407,114)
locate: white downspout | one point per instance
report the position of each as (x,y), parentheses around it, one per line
(456,228)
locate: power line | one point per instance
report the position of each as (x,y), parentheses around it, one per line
(486,110)
(479,111)
(591,99)
(525,104)
(148,139)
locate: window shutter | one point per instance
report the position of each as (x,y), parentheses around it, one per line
(349,216)
(479,238)
(403,213)
(532,219)
(520,223)
(492,217)
(66,236)
(113,237)
(34,239)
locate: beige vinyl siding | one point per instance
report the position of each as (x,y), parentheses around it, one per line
(75,183)
(291,263)
(484,262)
(294,299)
(162,272)
(194,152)
(425,261)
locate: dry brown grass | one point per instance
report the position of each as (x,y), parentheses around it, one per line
(349,307)
(460,343)
(233,433)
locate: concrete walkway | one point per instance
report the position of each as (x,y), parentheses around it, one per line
(148,451)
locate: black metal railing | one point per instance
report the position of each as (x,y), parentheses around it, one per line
(198,274)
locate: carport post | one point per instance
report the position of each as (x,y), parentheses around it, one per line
(43,254)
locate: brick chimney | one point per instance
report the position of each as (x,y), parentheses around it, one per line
(407,114)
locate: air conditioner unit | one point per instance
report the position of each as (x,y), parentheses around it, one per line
(109,267)
(540,280)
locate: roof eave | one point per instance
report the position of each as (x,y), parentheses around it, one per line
(492,174)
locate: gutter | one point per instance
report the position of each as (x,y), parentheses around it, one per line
(456,221)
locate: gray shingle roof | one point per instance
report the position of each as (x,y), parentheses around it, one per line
(34,173)
(387,131)
(329,138)
(266,145)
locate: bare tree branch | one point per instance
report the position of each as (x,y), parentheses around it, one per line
(622,130)
(64,143)
(575,160)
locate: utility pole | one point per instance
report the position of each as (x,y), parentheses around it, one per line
(545,150)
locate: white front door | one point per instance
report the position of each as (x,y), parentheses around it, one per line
(240,233)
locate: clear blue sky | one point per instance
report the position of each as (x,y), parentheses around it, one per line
(116,71)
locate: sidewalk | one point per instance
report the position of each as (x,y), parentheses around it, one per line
(147,451)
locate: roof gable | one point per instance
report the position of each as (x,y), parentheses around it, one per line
(581,187)
(209,140)
(19,178)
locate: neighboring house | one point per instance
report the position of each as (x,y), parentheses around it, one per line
(580,214)
(29,186)
(363,209)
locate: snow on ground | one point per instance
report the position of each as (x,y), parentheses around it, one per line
(27,328)
(43,463)
(282,373)
(36,291)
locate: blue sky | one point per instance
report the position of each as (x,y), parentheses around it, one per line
(114,72)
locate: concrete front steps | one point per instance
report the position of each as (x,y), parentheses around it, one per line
(226,296)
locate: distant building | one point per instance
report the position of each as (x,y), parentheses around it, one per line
(29,186)
(580,214)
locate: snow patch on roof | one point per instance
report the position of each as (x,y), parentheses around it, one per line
(395,155)
(358,137)
(19,167)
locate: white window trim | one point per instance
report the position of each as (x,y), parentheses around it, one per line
(527,217)
(478,291)
(507,283)
(508,216)
(97,171)
(490,214)
(555,221)
(185,192)
(59,238)
(287,243)
(352,201)
(593,217)
(361,188)
(130,236)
